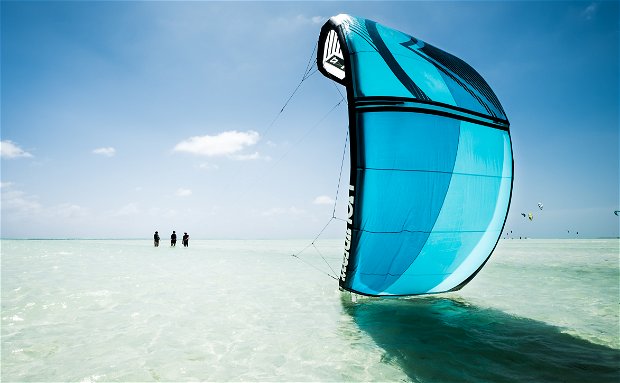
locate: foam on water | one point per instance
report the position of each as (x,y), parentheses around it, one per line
(246,310)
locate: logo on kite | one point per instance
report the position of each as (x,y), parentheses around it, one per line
(337,62)
(332,55)
(348,238)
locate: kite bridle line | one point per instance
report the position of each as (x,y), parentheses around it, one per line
(333,217)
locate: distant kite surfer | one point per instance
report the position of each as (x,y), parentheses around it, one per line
(173,239)
(185,240)
(156,239)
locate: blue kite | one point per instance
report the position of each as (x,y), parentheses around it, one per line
(431,161)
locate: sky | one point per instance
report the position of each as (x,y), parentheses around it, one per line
(122,118)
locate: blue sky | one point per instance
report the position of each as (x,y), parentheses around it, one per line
(121,118)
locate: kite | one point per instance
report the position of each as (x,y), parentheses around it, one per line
(431,161)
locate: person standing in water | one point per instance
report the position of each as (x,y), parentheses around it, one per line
(156,239)
(173,239)
(185,240)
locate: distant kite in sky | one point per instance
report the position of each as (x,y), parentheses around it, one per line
(617,212)
(540,205)
(431,161)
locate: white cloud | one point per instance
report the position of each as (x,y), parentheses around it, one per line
(300,21)
(318,19)
(129,209)
(17,200)
(163,213)
(183,192)
(283,211)
(20,204)
(223,144)
(108,151)
(68,210)
(323,200)
(314,20)
(208,166)
(9,149)
(248,157)
(590,11)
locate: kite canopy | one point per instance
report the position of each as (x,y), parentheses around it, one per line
(431,161)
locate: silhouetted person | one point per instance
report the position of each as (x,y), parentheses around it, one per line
(185,240)
(156,239)
(173,238)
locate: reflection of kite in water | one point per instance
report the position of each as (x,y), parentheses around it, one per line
(540,206)
(431,161)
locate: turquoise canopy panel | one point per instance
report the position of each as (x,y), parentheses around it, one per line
(431,161)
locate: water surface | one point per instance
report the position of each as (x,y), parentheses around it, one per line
(540,310)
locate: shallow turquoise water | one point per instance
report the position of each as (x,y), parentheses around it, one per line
(540,310)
